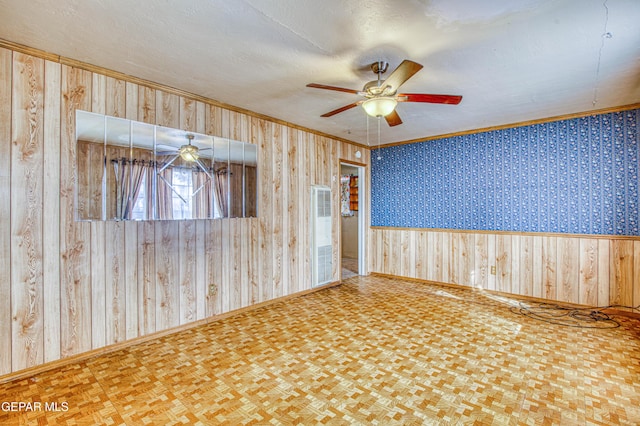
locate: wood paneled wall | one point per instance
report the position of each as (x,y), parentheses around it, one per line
(595,271)
(70,287)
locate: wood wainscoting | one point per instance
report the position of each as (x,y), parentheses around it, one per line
(582,269)
(71,287)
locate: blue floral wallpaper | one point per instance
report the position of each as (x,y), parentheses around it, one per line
(576,176)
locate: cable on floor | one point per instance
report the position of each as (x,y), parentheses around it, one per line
(587,317)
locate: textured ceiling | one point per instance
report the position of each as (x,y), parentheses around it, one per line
(511,60)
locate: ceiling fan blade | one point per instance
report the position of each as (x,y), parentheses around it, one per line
(433,99)
(338,89)
(166,152)
(165,147)
(393,119)
(401,74)
(341,109)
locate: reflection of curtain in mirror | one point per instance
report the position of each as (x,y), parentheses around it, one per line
(221,187)
(164,194)
(203,199)
(236,189)
(129,176)
(251,191)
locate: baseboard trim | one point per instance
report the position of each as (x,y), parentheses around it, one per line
(41,368)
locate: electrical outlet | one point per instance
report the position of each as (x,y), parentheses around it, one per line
(493,270)
(213,289)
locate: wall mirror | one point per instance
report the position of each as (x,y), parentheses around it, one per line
(128,170)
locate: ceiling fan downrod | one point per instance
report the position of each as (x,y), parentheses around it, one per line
(379,68)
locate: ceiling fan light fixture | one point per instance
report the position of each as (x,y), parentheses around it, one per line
(189,153)
(380,106)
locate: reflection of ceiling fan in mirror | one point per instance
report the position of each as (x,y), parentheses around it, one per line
(188,152)
(381,96)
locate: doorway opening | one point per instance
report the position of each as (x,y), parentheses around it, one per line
(352,219)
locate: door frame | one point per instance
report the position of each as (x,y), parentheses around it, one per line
(363,214)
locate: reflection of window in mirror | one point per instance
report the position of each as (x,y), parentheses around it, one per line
(181,197)
(129,170)
(187,186)
(139,211)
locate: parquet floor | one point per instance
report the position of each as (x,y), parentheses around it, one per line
(371,351)
(349,267)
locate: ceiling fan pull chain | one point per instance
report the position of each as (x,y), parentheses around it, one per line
(379,157)
(367,115)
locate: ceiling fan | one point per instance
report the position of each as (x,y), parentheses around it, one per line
(381,96)
(188,152)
